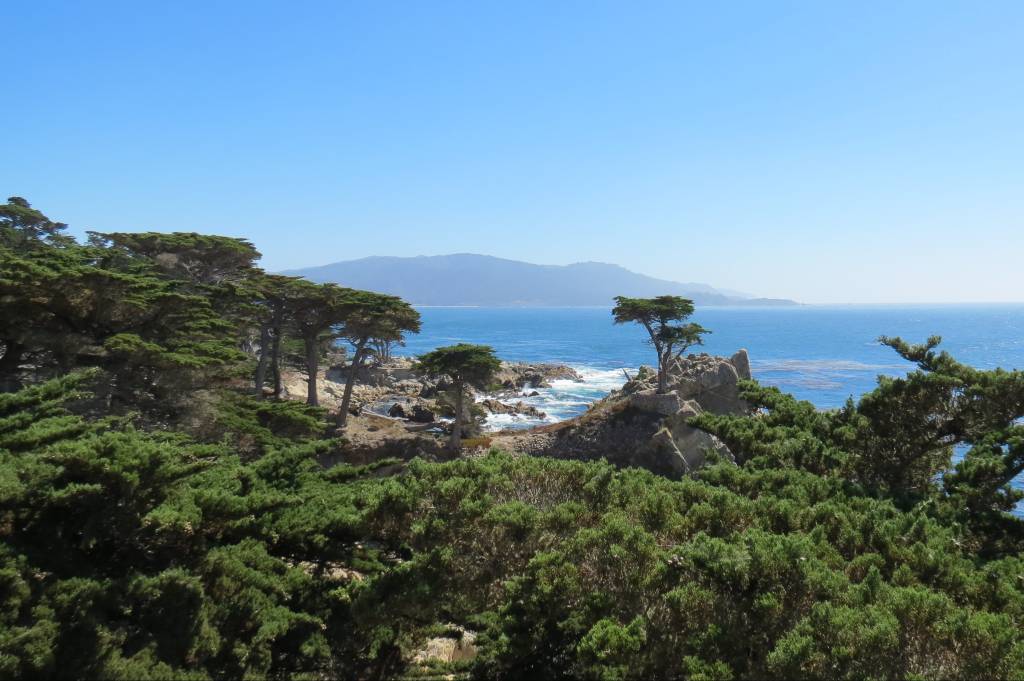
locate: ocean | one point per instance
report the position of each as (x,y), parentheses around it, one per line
(817,353)
(823,354)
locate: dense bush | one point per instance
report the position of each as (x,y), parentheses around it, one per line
(578,569)
(127,555)
(132,555)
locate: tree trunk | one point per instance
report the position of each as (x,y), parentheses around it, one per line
(312,368)
(261,365)
(455,441)
(662,374)
(9,363)
(350,381)
(275,361)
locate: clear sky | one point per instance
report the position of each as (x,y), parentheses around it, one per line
(822,151)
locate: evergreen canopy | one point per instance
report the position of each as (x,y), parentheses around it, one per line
(659,317)
(464,364)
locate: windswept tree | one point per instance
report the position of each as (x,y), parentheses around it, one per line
(464,364)
(382,345)
(270,297)
(907,428)
(62,308)
(24,227)
(372,317)
(663,318)
(24,233)
(198,258)
(315,309)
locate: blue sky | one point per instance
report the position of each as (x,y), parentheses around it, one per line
(823,151)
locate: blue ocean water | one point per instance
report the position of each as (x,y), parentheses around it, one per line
(817,353)
(821,354)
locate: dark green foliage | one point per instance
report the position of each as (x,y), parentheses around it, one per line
(198,258)
(62,310)
(576,569)
(313,310)
(897,442)
(253,427)
(464,364)
(662,318)
(372,318)
(125,555)
(23,227)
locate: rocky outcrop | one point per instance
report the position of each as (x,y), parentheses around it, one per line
(370,437)
(710,381)
(681,446)
(517,376)
(634,426)
(519,408)
(650,400)
(637,426)
(417,412)
(294,386)
(458,646)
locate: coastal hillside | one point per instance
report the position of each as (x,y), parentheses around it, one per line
(212,472)
(469,279)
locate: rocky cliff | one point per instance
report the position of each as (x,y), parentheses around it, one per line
(636,426)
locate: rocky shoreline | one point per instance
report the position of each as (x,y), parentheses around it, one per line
(396,390)
(636,426)
(397,412)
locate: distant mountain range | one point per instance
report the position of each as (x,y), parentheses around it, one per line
(481,280)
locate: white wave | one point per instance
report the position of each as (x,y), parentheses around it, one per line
(563,400)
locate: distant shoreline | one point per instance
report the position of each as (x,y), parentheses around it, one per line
(786,306)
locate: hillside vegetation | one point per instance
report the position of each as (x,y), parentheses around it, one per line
(164,515)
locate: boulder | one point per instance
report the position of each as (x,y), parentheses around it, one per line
(459,647)
(742,363)
(389,374)
(692,443)
(650,401)
(519,408)
(711,381)
(646,378)
(421,414)
(517,376)
(417,412)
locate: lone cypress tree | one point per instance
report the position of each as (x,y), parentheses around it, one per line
(463,364)
(662,317)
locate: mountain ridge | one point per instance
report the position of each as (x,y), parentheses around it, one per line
(470,279)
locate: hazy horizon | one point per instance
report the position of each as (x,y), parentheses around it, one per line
(826,153)
(720,289)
